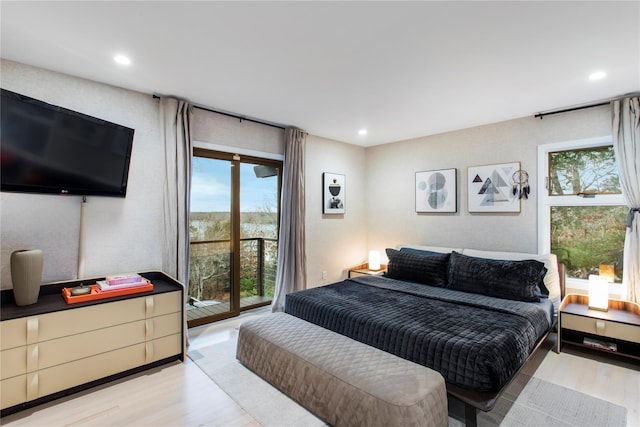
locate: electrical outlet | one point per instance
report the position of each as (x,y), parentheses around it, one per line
(324,275)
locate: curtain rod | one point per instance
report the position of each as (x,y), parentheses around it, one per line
(582,107)
(235,116)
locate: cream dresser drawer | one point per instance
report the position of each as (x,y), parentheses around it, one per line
(13,333)
(13,391)
(162,348)
(166,303)
(13,362)
(161,326)
(601,327)
(67,375)
(84,319)
(80,346)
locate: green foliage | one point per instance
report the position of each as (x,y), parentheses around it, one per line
(247,287)
(583,237)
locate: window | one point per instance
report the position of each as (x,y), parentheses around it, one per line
(233,224)
(582,214)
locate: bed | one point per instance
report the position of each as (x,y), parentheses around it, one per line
(474,320)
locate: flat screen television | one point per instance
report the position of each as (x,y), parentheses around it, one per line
(52,150)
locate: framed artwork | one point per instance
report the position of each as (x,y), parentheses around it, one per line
(436,191)
(490,188)
(333,193)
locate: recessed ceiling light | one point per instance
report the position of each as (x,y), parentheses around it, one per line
(121,59)
(362,132)
(597,75)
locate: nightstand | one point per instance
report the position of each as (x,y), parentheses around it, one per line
(616,330)
(363,270)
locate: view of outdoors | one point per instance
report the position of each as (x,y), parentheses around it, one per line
(591,170)
(211,262)
(588,239)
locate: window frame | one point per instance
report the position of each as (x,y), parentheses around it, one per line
(545,202)
(237,157)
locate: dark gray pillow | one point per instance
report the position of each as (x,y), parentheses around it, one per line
(514,280)
(420,251)
(429,269)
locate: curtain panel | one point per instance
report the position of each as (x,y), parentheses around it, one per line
(626,144)
(175,133)
(291,272)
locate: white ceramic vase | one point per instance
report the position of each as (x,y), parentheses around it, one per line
(26,275)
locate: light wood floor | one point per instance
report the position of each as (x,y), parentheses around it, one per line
(180,394)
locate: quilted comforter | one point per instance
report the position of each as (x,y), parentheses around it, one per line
(474,341)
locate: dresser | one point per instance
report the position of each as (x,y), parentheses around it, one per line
(51,348)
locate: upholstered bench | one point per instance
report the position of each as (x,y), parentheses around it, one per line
(340,380)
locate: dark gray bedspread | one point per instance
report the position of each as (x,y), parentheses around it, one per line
(474,341)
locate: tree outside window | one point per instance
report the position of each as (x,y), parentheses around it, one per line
(585,233)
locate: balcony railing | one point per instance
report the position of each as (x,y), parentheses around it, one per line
(210,269)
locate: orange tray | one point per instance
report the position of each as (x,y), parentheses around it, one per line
(96,294)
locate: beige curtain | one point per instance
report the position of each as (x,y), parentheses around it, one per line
(626,144)
(175,135)
(292,264)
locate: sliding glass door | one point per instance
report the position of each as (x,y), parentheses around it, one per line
(234,216)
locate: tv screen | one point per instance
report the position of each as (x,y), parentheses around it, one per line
(49,149)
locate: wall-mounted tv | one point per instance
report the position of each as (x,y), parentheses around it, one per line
(52,150)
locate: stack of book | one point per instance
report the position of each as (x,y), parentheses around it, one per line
(603,345)
(120,282)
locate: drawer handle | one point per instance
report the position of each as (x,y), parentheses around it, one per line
(149,352)
(32,386)
(148,328)
(149,306)
(32,357)
(600,324)
(32,330)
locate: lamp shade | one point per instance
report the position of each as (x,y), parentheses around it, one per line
(598,293)
(374,260)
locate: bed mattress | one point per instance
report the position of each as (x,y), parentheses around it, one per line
(475,341)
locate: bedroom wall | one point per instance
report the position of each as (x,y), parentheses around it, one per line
(126,234)
(390,181)
(120,234)
(334,242)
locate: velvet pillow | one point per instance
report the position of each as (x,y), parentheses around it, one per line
(514,280)
(429,269)
(419,251)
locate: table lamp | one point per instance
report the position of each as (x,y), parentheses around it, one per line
(598,293)
(374,260)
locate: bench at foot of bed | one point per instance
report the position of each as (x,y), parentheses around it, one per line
(341,381)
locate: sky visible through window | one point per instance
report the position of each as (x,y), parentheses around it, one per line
(211,187)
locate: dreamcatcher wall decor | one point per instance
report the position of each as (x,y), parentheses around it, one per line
(520,181)
(490,187)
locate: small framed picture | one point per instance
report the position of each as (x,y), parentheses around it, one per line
(436,191)
(333,193)
(490,188)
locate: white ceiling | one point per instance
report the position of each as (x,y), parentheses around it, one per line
(399,69)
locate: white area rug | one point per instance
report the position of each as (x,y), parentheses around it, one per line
(542,403)
(539,403)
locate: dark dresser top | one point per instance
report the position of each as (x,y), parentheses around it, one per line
(51,299)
